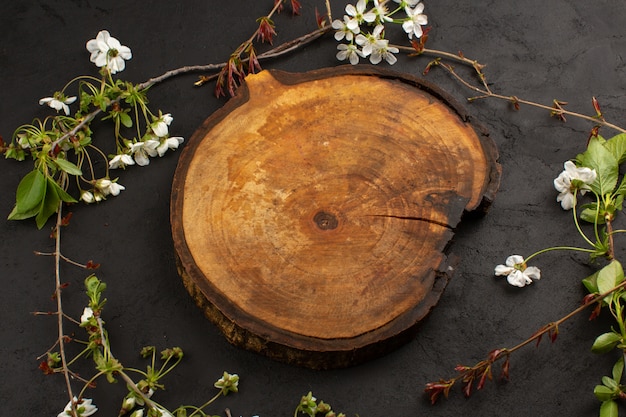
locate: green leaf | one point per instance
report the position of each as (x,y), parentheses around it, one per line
(589,214)
(603,393)
(598,157)
(617,146)
(30,191)
(618,369)
(609,277)
(608,409)
(591,283)
(606,342)
(49,205)
(610,383)
(21,215)
(125,119)
(68,166)
(63,195)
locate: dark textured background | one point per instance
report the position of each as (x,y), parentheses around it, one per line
(570,50)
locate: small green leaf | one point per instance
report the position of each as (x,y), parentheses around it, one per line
(589,214)
(603,393)
(68,166)
(608,409)
(609,277)
(30,191)
(125,119)
(610,383)
(618,369)
(606,342)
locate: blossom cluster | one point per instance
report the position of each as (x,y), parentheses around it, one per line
(363,43)
(110,55)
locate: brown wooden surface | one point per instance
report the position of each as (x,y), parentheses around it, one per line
(311,214)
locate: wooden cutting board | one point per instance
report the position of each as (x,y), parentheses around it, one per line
(311,215)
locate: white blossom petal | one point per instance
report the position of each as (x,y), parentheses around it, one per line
(87,314)
(85,408)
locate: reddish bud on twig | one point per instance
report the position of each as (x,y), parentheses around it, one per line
(266,30)
(596,107)
(505,368)
(483,378)
(295,7)
(420,44)
(553,333)
(91,265)
(45,368)
(320,19)
(467,388)
(253,62)
(66,219)
(558,109)
(494,354)
(435,389)
(515,102)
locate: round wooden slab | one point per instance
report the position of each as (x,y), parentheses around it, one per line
(312,213)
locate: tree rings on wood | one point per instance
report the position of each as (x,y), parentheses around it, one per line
(311,214)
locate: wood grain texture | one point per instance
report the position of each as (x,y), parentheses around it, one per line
(311,215)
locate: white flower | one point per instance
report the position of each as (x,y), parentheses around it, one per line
(518,274)
(87,197)
(87,314)
(573,179)
(415,19)
(58,103)
(350,52)
(368,42)
(346,29)
(382,50)
(382,12)
(84,408)
(106,186)
(160,126)
(121,160)
(169,143)
(106,51)
(142,150)
(115,188)
(358,14)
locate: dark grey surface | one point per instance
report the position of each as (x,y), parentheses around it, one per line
(537,50)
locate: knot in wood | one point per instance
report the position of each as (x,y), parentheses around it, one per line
(325,221)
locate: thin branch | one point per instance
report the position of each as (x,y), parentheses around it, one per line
(60,315)
(280,50)
(485,365)
(513,99)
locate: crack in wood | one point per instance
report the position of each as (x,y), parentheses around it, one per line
(423,219)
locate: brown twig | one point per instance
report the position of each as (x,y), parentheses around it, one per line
(555,109)
(483,368)
(60,315)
